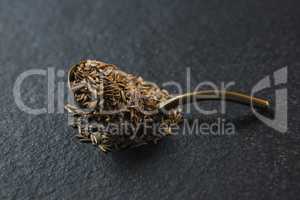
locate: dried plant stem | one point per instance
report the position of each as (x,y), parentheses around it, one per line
(214,95)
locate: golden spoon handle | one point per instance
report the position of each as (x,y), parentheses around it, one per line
(214,95)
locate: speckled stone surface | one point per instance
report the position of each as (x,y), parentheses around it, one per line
(240,41)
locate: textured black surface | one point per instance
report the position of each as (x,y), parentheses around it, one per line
(240,41)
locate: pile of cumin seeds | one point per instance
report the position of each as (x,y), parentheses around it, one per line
(116,110)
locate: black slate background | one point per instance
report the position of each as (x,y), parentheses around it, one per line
(237,40)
